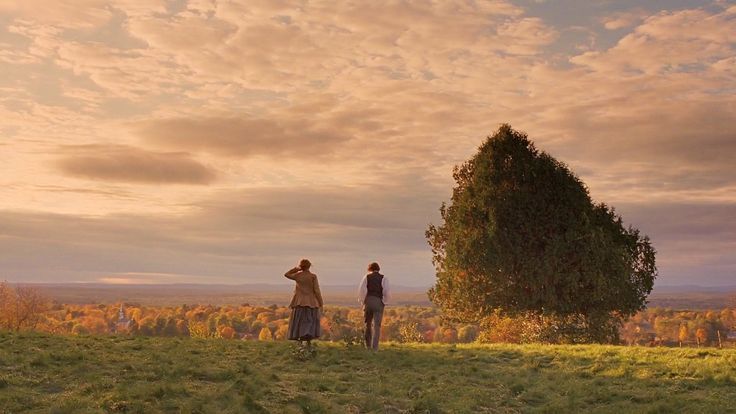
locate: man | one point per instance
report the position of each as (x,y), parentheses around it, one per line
(373,295)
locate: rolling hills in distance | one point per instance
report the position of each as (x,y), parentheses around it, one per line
(675,297)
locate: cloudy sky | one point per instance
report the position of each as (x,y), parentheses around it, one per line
(220,141)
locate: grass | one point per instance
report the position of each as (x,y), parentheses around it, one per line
(42,373)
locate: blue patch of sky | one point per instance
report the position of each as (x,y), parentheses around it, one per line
(580,25)
(566,13)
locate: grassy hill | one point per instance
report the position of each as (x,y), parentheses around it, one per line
(58,374)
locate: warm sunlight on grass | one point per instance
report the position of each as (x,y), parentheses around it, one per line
(62,374)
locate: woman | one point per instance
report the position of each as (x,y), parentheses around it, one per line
(306,304)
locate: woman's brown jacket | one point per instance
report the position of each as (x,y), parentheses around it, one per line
(306,292)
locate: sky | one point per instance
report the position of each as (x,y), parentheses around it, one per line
(212,141)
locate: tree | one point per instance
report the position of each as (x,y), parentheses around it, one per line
(467,334)
(146,326)
(445,335)
(390,329)
(170,327)
(196,329)
(182,327)
(344,327)
(521,235)
(95,325)
(227,332)
(409,333)
(499,328)
(21,307)
(6,299)
(701,335)
(79,329)
(683,334)
(265,334)
(666,328)
(282,332)
(133,328)
(726,318)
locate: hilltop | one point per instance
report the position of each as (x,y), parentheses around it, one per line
(66,374)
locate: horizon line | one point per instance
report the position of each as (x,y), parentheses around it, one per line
(138,283)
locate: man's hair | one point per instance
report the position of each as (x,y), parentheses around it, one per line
(305,264)
(374,267)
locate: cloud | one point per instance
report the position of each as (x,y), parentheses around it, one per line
(623,20)
(250,235)
(693,241)
(63,13)
(648,118)
(385,207)
(78,14)
(188,31)
(130,74)
(660,45)
(288,49)
(133,165)
(244,137)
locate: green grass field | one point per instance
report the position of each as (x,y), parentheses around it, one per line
(56,374)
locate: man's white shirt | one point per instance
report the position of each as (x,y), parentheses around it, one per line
(363,291)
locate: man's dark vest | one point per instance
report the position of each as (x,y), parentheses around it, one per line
(375,285)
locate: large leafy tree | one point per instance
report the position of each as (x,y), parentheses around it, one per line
(522,237)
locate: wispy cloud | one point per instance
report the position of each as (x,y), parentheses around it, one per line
(245,137)
(128,164)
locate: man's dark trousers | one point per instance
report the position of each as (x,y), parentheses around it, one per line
(373,312)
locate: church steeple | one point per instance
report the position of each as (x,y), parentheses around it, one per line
(123,323)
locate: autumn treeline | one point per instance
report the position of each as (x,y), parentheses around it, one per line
(23,308)
(659,326)
(404,324)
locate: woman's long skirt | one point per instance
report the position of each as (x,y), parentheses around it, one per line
(304,323)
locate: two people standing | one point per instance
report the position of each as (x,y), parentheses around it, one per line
(307,304)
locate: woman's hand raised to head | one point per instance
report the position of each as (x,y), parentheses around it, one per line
(291,272)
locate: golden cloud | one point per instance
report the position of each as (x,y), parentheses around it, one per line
(134,165)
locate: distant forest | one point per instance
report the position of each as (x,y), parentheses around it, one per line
(656,326)
(26,308)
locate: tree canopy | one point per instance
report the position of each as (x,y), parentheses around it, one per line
(521,235)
